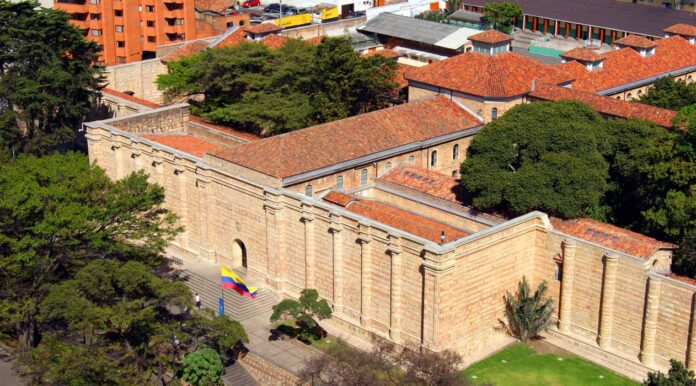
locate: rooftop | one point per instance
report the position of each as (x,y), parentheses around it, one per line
(274,41)
(398,218)
(386,52)
(636,41)
(130,98)
(610,236)
(682,29)
(417,30)
(262,28)
(582,54)
(214,5)
(185,50)
(347,139)
(606,105)
(490,36)
(634,18)
(625,65)
(184,142)
(495,76)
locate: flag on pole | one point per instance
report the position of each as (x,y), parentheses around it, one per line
(232,281)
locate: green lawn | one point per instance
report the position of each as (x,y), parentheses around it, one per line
(522,365)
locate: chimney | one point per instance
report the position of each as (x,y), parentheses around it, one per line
(442,237)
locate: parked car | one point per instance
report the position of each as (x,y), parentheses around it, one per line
(272,8)
(251,3)
(289,11)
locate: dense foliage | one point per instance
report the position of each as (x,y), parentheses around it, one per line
(203,368)
(304,311)
(257,89)
(528,314)
(670,94)
(563,159)
(545,156)
(385,365)
(77,286)
(678,375)
(438,16)
(47,81)
(500,15)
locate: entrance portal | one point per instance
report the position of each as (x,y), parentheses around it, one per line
(239,255)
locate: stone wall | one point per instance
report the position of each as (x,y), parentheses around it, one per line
(170,119)
(267,373)
(137,77)
(334,28)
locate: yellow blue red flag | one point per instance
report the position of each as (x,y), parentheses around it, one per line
(232,281)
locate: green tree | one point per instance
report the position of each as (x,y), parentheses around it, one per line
(254,88)
(303,311)
(203,368)
(670,94)
(57,213)
(438,15)
(539,156)
(47,80)
(527,314)
(501,15)
(219,332)
(684,259)
(678,375)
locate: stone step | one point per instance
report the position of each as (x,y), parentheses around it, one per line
(236,375)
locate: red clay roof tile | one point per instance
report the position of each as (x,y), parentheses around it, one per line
(274,41)
(187,49)
(398,218)
(490,36)
(636,41)
(425,181)
(610,236)
(582,54)
(214,5)
(682,29)
(186,143)
(262,28)
(225,129)
(606,105)
(386,52)
(232,39)
(131,98)
(319,146)
(493,76)
(625,65)
(682,279)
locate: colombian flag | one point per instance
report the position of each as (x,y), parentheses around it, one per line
(232,281)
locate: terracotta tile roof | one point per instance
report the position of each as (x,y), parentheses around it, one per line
(397,218)
(386,52)
(495,76)
(233,39)
(347,139)
(314,40)
(610,236)
(636,41)
(625,65)
(262,28)
(213,5)
(187,49)
(683,279)
(131,98)
(274,41)
(246,136)
(682,29)
(490,36)
(606,105)
(583,54)
(400,74)
(186,143)
(425,181)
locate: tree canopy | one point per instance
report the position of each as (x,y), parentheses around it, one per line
(670,94)
(47,80)
(271,91)
(500,15)
(545,156)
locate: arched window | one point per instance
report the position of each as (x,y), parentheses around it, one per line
(494,114)
(433,158)
(454,173)
(363,177)
(387,166)
(411,159)
(558,271)
(308,191)
(455,152)
(629,96)
(339,183)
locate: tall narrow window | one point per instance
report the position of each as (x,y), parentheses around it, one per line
(433,158)
(363,177)
(308,190)
(494,114)
(455,152)
(558,271)
(339,183)
(411,159)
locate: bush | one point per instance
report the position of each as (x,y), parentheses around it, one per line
(203,367)
(678,375)
(527,315)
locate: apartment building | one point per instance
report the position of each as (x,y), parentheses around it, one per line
(130,30)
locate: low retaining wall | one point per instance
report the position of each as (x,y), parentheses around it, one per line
(267,373)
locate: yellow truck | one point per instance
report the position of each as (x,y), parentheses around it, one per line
(324,12)
(294,20)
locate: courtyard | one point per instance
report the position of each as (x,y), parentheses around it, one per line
(541,364)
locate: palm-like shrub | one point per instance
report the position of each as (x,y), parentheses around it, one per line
(527,314)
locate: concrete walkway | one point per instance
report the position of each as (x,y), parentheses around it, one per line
(8,377)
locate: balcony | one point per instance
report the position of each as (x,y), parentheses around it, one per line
(71,6)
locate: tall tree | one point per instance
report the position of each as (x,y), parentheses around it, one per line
(59,212)
(254,88)
(47,80)
(501,15)
(545,156)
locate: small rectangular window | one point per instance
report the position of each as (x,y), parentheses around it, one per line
(118,13)
(149,8)
(178,21)
(120,43)
(151,39)
(119,28)
(95,16)
(150,23)
(363,177)
(121,59)
(94,2)
(96,32)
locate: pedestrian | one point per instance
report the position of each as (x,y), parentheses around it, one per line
(198,301)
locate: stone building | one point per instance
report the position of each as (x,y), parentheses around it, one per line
(366,211)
